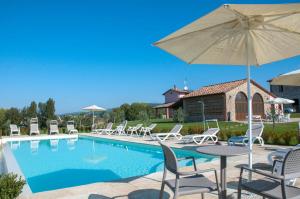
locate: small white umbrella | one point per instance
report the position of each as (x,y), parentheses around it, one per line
(93,108)
(279,100)
(287,79)
(239,34)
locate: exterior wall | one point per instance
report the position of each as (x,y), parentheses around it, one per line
(289,92)
(172,96)
(214,107)
(231,95)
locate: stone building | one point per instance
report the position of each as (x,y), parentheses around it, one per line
(226,101)
(173,100)
(289,92)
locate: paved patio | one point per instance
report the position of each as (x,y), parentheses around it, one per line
(147,187)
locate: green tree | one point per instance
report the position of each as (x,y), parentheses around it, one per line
(106,116)
(32,110)
(42,114)
(118,115)
(13,116)
(178,115)
(50,109)
(143,116)
(2,121)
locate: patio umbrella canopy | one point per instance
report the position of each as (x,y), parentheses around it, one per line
(287,79)
(280,100)
(93,109)
(249,35)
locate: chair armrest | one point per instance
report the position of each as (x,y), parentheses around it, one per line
(186,158)
(189,158)
(187,173)
(269,175)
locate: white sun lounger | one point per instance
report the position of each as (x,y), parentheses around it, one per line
(71,127)
(53,127)
(14,130)
(175,132)
(147,130)
(134,129)
(106,129)
(209,134)
(119,130)
(257,130)
(34,126)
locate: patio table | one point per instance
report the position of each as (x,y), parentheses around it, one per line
(223,151)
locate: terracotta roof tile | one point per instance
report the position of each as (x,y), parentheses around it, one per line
(216,88)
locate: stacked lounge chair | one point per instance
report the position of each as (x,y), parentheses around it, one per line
(71,127)
(14,130)
(34,126)
(53,127)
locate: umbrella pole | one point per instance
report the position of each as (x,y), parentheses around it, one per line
(249,117)
(93,120)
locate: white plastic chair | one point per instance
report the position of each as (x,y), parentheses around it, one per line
(34,126)
(53,127)
(71,127)
(14,130)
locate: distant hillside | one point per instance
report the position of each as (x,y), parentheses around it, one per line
(108,110)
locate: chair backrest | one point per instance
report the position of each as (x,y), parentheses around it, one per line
(53,125)
(109,125)
(13,127)
(152,126)
(212,121)
(138,126)
(211,131)
(70,125)
(176,128)
(123,124)
(34,127)
(257,130)
(171,163)
(291,164)
(34,120)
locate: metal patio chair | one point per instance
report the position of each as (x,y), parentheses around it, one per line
(185,183)
(274,186)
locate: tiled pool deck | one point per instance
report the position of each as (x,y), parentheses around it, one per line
(147,187)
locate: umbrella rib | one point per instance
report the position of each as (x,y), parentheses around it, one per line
(222,38)
(290,13)
(280,17)
(208,28)
(283,29)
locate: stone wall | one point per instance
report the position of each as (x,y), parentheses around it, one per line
(231,95)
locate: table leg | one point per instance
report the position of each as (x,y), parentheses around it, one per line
(223,178)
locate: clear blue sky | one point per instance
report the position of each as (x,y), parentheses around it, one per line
(99,52)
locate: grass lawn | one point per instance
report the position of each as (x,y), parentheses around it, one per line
(295,115)
(282,133)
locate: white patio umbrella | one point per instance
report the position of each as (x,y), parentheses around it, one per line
(279,100)
(249,35)
(287,79)
(93,109)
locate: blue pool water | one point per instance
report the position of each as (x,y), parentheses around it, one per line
(49,165)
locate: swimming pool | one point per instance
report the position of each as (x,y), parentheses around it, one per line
(54,164)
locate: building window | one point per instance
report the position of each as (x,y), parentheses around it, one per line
(280,89)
